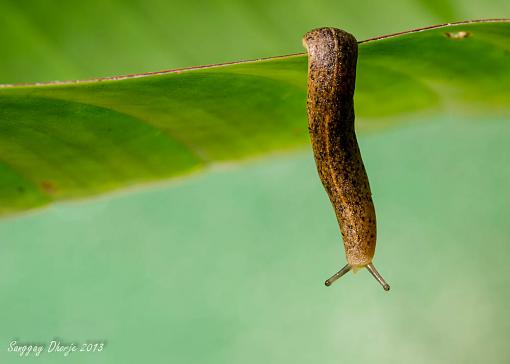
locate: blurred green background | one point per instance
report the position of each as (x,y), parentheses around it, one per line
(228,266)
(44,40)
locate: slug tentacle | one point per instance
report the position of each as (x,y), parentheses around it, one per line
(332,56)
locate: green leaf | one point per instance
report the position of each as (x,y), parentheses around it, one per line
(74,139)
(59,40)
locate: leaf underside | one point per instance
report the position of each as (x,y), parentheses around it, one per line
(68,140)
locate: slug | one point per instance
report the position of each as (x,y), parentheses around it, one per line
(332,56)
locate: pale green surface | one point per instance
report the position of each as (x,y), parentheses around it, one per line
(75,140)
(229,266)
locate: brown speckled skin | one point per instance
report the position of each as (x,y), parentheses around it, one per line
(332,56)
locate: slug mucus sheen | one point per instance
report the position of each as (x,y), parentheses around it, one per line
(332,56)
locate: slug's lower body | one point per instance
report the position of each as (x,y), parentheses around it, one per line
(332,56)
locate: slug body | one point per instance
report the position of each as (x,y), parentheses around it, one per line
(332,57)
